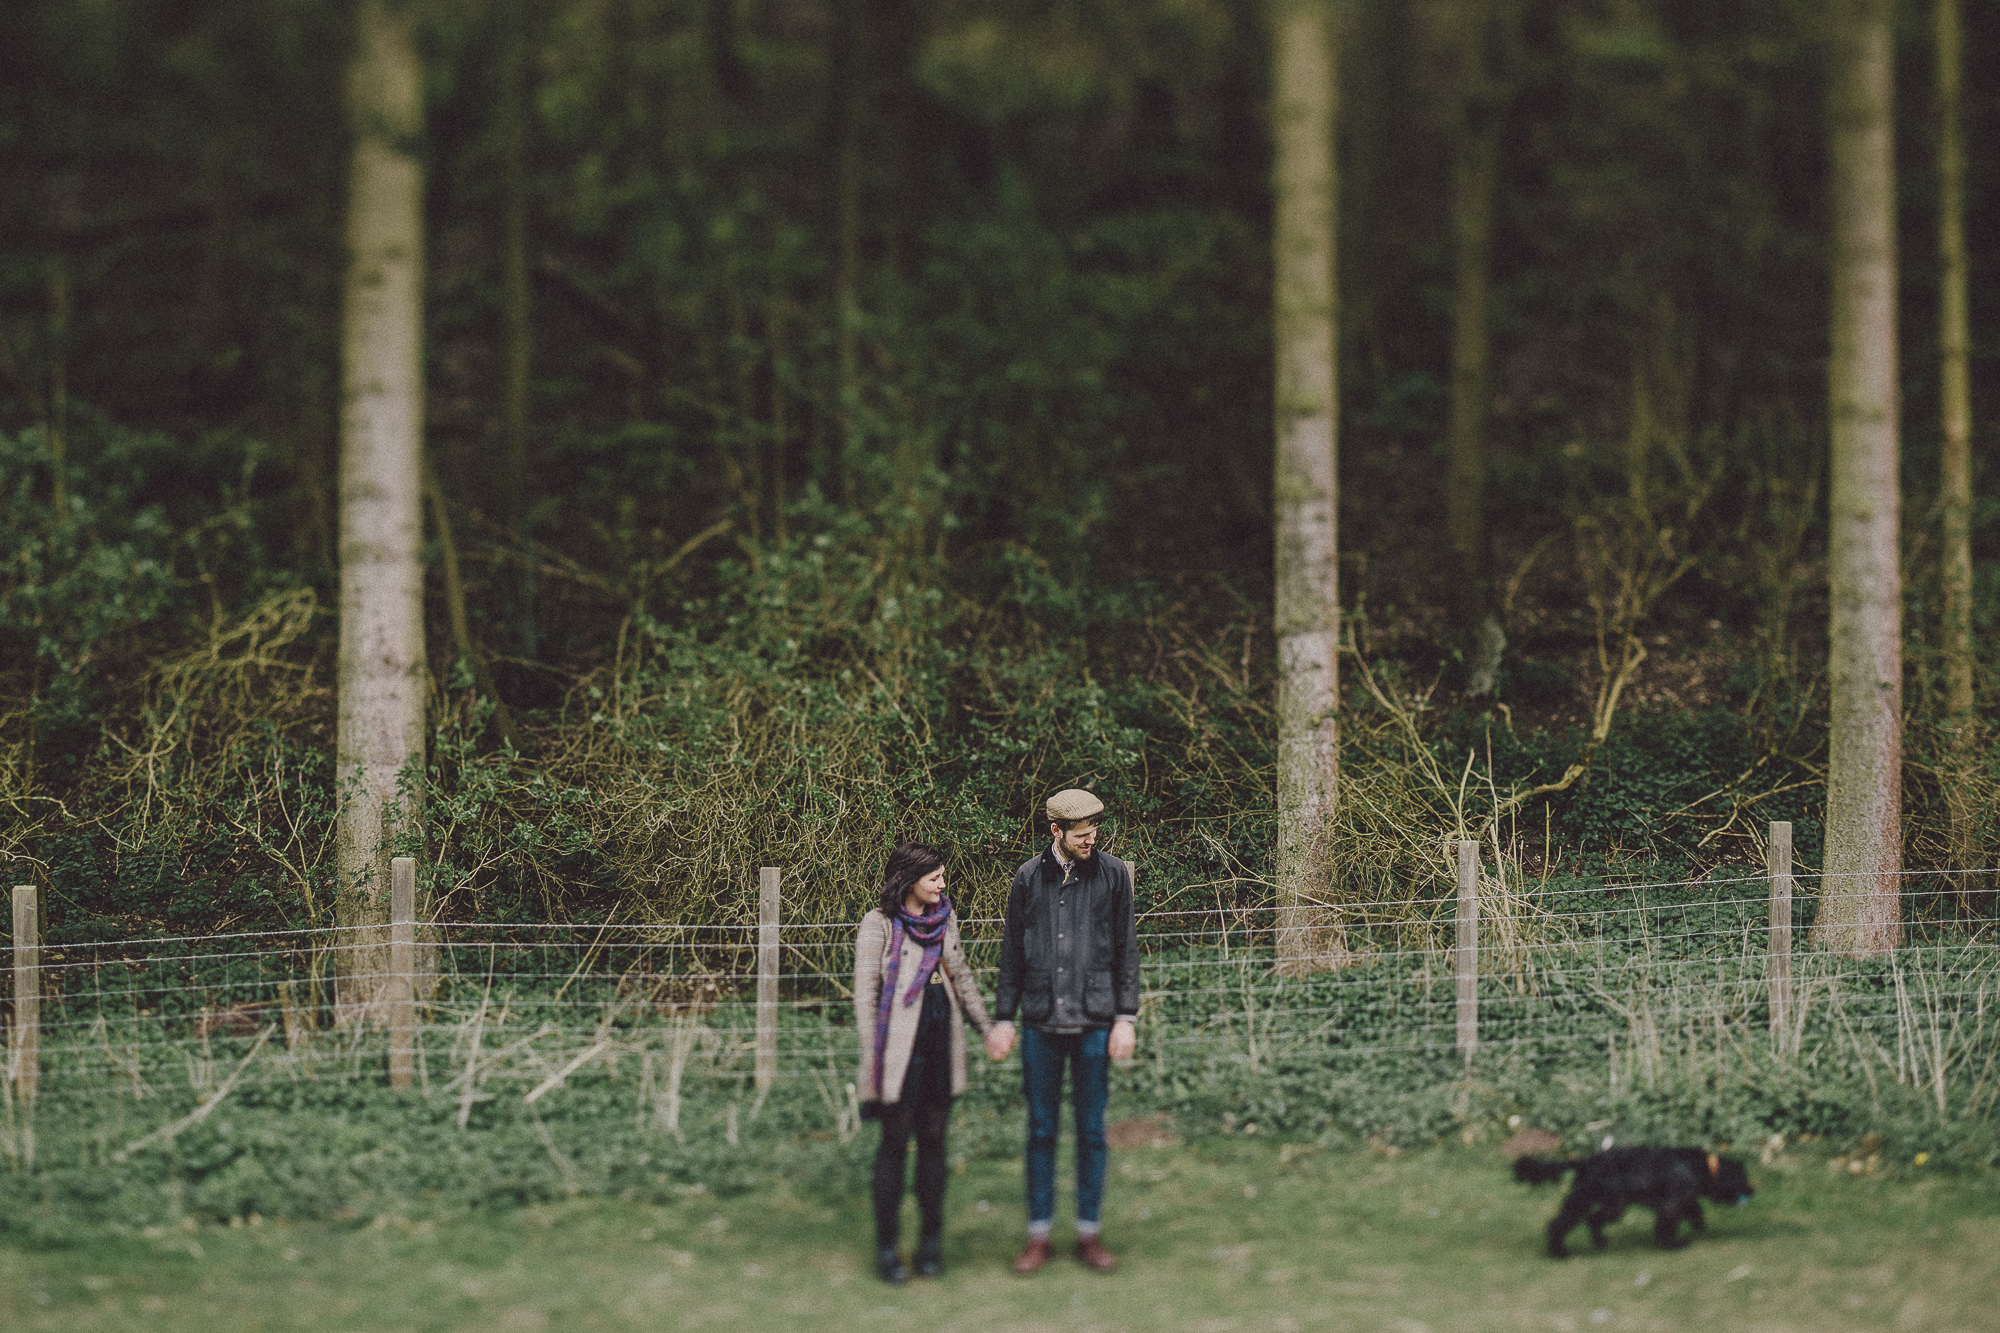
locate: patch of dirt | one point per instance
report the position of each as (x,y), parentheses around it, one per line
(1531,1142)
(1151,1131)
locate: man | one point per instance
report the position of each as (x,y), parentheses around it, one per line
(1070,964)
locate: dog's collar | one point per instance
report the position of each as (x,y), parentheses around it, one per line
(1714,1165)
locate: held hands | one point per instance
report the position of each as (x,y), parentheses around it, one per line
(1123,1041)
(999,1041)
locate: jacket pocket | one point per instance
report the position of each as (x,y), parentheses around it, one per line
(1038,995)
(1099,999)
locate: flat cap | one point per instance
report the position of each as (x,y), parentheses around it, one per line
(1074,803)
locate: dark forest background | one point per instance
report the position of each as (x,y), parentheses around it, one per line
(783,585)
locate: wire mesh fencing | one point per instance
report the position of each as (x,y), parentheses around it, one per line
(118,1049)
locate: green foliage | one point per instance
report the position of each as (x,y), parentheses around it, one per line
(138,779)
(80,584)
(1642,1014)
(1672,791)
(818,709)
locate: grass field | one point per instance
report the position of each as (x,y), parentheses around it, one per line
(1223,1234)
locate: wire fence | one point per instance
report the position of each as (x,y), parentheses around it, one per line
(1635,979)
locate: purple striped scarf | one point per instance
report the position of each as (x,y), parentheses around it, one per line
(927,930)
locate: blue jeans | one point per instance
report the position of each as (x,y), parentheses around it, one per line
(1043,1055)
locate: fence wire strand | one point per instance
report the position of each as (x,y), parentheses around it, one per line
(524,1009)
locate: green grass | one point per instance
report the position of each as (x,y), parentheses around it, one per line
(1222,1234)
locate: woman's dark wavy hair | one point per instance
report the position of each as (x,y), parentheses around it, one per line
(907,864)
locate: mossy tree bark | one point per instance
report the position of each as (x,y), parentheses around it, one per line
(1860,908)
(381,661)
(1307,612)
(1955,398)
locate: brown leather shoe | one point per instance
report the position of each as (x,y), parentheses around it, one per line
(1093,1254)
(1032,1258)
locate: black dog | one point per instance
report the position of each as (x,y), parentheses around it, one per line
(1670,1181)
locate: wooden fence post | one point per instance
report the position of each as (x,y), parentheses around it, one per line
(1468,947)
(27,1037)
(1778,855)
(402,1005)
(767,976)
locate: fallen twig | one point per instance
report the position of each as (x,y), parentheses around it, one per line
(512,1049)
(554,1081)
(471,1093)
(167,1133)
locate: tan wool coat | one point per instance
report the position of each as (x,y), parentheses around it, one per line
(871,962)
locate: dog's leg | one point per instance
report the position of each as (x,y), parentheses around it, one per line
(1667,1226)
(1575,1209)
(1694,1215)
(1600,1217)
(1562,1224)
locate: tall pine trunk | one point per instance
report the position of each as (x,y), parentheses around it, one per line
(517,347)
(514,265)
(381,664)
(1474,176)
(58,416)
(1307,612)
(1955,481)
(1860,901)
(848,97)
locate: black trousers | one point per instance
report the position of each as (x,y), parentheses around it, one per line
(901,1121)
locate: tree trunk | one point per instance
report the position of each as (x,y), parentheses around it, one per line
(1860,902)
(1307,612)
(58,424)
(1475,168)
(517,346)
(774,339)
(514,266)
(381,667)
(1955,483)
(898,30)
(848,94)
(745,454)
(461,624)
(1375,75)
(732,77)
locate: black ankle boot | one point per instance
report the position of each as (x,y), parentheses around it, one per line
(930,1257)
(889,1267)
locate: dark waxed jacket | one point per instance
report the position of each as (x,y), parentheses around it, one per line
(1070,958)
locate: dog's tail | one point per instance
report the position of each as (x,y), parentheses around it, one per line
(1540,1170)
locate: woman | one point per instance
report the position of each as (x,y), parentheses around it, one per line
(912,989)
